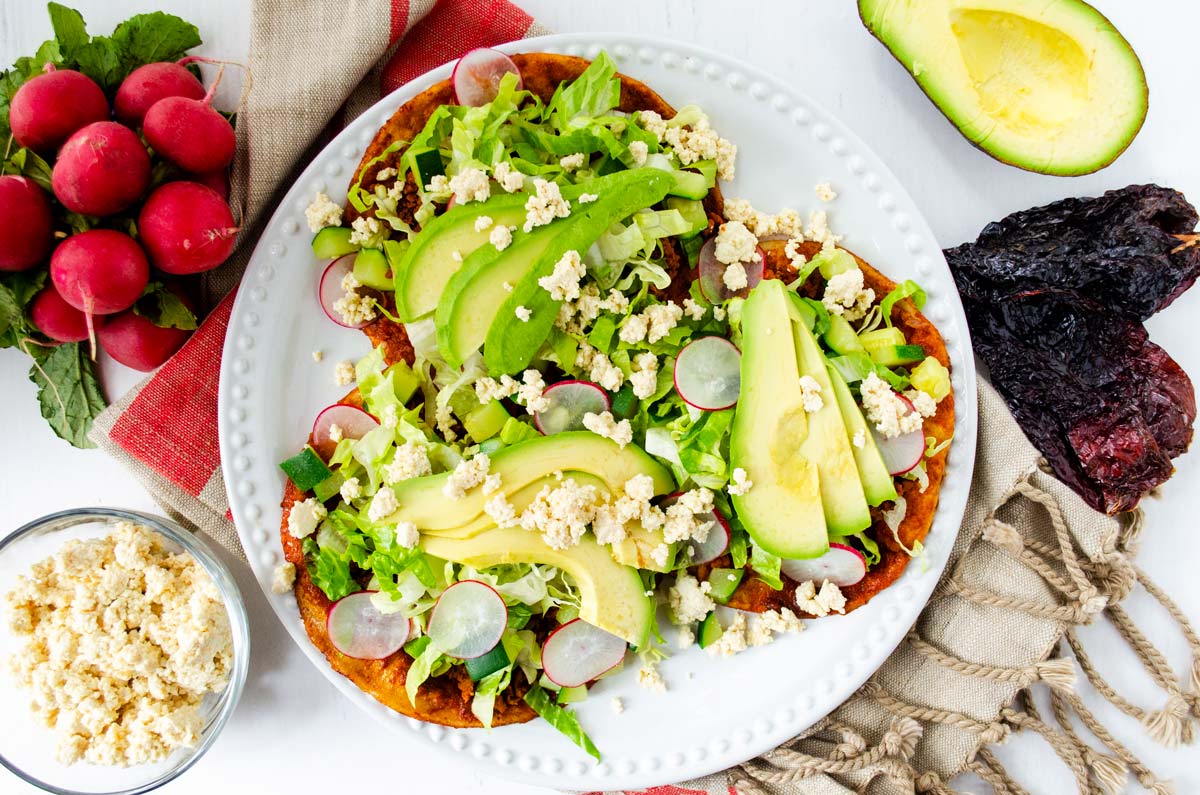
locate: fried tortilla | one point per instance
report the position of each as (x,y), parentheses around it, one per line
(446,699)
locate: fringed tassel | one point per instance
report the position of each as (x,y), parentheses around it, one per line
(1109,772)
(1057,673)
(1003,536)
(1167,725)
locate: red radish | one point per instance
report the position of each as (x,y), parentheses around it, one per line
(25,223)
(712,274)
(186,228)
(577,652)
(717,541)
(57,319)
(190,133)
(358,629)
(569,401)
(353,422)
(477,75)
(217,180)
(901,453)
(468,620)
(100,271)
(101,169)
(708,373)
(136,342)
(330,290)
(148,84)
(49,108)
(841,565)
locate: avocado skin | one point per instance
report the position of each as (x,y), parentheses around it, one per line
(863,11)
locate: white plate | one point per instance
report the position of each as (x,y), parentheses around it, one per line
(716,712)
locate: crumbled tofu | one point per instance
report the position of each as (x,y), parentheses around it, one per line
(283,579)
(740,483)
(828,599)
(367,232)
(649,677)
(470,185)
(501,238)
(343,374)
(501,511)
(660,554)
(122,639)
(633,329)
(632,504)
(652,123)
(688,600)
(733,639)
(492,483)
(410,461)
(523,313)
(923,402)
(318,356)
(351,490)
(355,308)
(488,389)
(561,513)
(718,312)
(639,151)
(791,250)
(686,519)
(439,185)
(885,409)
(694,143)
(467,475)
(304,517)
(383,505)
(735,277)
(661,318)
(818,230)
(825,191)
(810,394)
(771,623)
(644,378)
(545,205)
(685,637)
(509,178)
(603,424)
(530,392)
(735,243)
(407,535)
(443,418)
(385,174)
(563,282)
(335,433)
(846,296)
(860,438)
(588,198)
(600,368)
(322,213)
(693,309)
(616,302)
(390,416)
(572,162)
(618,706)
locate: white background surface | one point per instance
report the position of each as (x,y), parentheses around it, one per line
(293,731)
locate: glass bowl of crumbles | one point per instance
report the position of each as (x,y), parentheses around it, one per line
(124,647)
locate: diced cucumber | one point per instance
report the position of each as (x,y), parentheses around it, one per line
(624,403)
(932,377)
(688,184)
(881,338)
(371,269)
(406,382)
(494,660)
(897,355)
(516,431)
(333,242)
(329,487)
(692,212)
(487,448)
(428,164)
(486,421)
(841,337)
(305,469)
(833,262)
(710,630)
(723,583)
(394,251)
(572,695)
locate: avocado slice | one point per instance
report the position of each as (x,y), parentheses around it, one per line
(423,503)
(520,500)
(612,596)
(782,511)
(1050,87)
(637,549)
(512,343)
(828,446)
(878,486)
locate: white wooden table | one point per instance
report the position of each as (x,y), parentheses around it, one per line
(293,732)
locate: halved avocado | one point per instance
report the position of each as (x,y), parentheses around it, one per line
(612,596)
(637,549)
(520,500)
(1045,85)
(877,482)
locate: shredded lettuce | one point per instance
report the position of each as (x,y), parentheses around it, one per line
(704,449)
(908,289)
(869,547)
(766,566)
(428,661)
(484,701)
(560,718)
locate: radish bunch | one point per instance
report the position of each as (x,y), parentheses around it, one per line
(104,184)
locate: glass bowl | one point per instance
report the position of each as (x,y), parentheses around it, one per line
(27,747)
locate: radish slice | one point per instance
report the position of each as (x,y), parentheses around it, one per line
(569,401)
(901,453)
(477,75)
(468,619)
(715,544)
(708,373)
(357,629)
(576,653)
(353,422)
(841,565)
(330,291)
(712,274)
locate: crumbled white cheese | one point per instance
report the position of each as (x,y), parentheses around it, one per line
(383,505)
(355,308)
(283,578)
(501,238)
(322,213)
(572,162)
(652,123)
(603,424)
(686,517)
(923,402)
(810,394)
(385,174)
(545,205)
(633,329)
(649,677)
(561,513)
(509,178)
(335,433)
(343,374)
(409,461)
(488,389)
(318,356)
(304,517)
(735,277)
(470,185)
(588,198)
(439,185)
(600,368)
(740,483)
(367,232)
(661,318)
(735,243)
(820,603)
(443,418)
(773,622)
(390,416)
(616,302)
(733,639)
(523,313)
(860,438)
(469,473)
(825,191)
(818,231)
(685,637)
(846,296)
(791,250)
(718,312)
(351,490)
(644,378)
(885,409)
(696,142)
(693,309)
(639,151)
(530,392)
(483,222)
(501,511)
(407,535)
(563,282)
(618,706)
(123,638)
(688,600)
